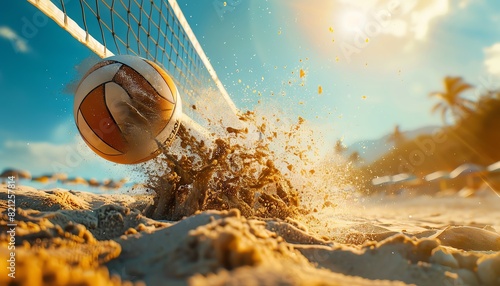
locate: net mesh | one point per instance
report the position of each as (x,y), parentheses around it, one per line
(146,28)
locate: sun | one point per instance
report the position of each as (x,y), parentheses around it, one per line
(351,20)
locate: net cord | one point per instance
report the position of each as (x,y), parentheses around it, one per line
(58,16)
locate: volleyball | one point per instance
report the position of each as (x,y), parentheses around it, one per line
(126,108)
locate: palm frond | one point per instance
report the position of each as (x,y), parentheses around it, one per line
(466,100)
(465,109)
(437,106)
(461,88)
(437,94)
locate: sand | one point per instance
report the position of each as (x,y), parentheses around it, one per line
(77,238)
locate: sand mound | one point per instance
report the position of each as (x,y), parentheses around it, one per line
(219,248)
(61,199)
(420,262)
(470,238)
(59,253)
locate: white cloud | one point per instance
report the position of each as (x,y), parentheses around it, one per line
(407,18)
(397,28)
(19,43)
(65,131)
(492,60)
(424,13)
(73,158)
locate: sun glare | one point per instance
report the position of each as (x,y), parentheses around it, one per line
(351,21)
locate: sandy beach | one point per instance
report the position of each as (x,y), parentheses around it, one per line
(76,238)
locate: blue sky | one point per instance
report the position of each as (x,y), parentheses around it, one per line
(375,72)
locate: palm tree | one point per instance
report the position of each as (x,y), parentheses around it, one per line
(451,100)
(397,137)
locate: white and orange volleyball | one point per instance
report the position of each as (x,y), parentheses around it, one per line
(126,107)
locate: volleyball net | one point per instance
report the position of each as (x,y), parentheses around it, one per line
(153,29)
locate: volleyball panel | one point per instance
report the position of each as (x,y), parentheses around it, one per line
(96,114)
(99,65)
(149,109)
(118,103)
(142,67)
(91,81)
(167,135)
(171,93)
(92,140)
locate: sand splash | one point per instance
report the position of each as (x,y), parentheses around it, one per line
(266,166)
(227,175)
